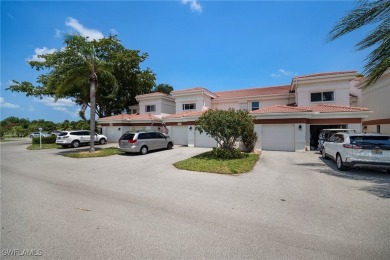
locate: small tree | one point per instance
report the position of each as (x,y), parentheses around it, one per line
(226,126)
(248,135)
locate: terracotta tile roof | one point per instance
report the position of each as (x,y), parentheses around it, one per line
(319,108)
(189,89)
(185,114)
(280,109)
(253,92)
(130,117)
(333,108)
(326,74)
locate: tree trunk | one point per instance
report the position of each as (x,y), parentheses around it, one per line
(92,85)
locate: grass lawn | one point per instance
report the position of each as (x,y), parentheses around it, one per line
(44,146)
(98,153)
(203,163)
(10,139)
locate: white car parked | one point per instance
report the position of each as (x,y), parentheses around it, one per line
(76,138)
(143,142)
(358,150)
(36,134)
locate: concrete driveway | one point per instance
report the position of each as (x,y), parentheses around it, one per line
(291,206)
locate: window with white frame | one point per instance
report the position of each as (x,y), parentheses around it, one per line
(150,108)
(322,96)
(255,105)
(189,106)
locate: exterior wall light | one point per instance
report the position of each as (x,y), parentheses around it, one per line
(300,127)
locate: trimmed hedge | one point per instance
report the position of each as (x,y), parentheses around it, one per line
(221,153)
(45,140)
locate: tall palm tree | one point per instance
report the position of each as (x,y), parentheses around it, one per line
(365,13)
(80,62)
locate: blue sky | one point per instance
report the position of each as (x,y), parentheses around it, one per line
(219,45)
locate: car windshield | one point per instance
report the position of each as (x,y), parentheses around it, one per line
(63,133)
(370,142)
(128,136)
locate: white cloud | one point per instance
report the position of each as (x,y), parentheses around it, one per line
(59,33)
(114,32)
(4,104)
(63,105)
(92,34)
(282,72)
(40,51)
(62,102)
(194,4)
(10,16)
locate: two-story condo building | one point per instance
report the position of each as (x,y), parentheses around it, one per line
(286,118)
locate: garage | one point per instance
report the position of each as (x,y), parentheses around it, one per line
(315,132)
(278,137)
(204,140)
(179,135)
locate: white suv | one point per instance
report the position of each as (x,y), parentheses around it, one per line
(358,150)
(76,138)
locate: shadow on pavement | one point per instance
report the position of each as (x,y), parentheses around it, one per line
(83,148)
(379,179)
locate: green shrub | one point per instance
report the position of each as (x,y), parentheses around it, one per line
(221,153)
(45,140)
(226,127)
(249,139)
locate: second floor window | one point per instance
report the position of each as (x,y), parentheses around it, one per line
(255,105)
(322,96)
(189,106)
(150,108)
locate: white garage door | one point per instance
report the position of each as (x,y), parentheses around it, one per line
(203,140)
(278,138)
(179,135)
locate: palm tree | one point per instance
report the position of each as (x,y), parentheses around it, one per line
(365,13)
(79,62)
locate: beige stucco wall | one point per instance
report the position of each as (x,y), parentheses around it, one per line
(377,98)
(341,92)
(162,106)
(200,100)
(240,104)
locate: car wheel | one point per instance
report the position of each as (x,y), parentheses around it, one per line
(144,150)
(323,153)
(169,146)
(339,163)
(102,141)
(75,144)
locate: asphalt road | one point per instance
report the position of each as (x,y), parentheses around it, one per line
(291,206)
